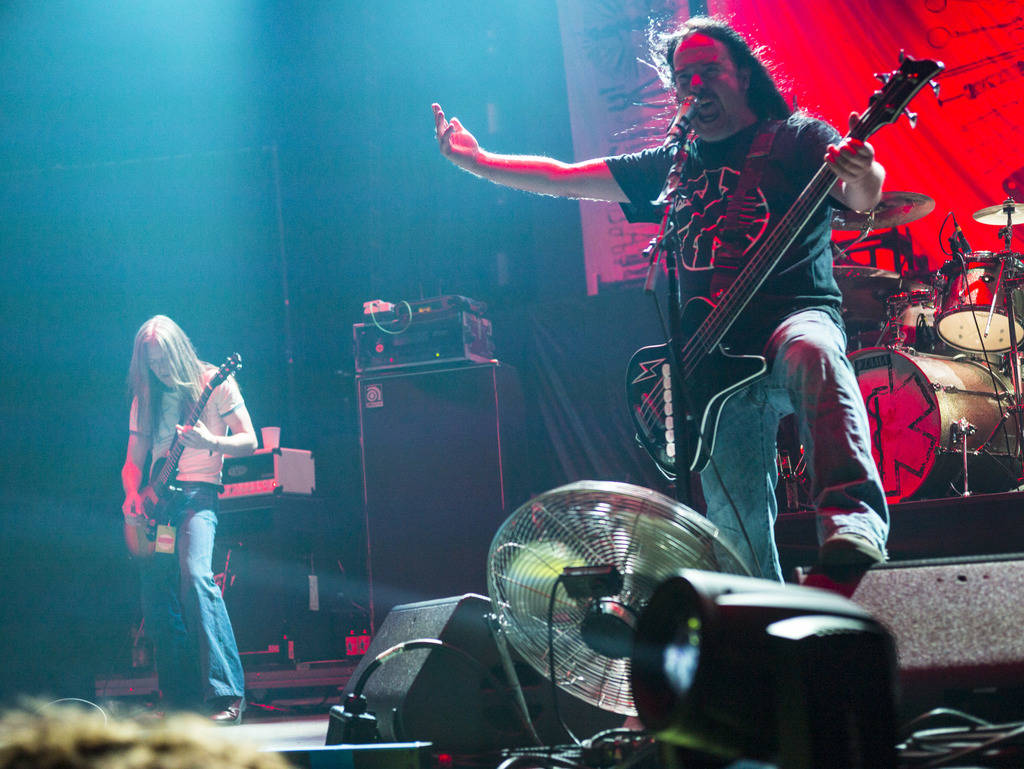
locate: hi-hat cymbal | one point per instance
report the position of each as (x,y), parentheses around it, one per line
(866,291)
(895,209)
(997,214)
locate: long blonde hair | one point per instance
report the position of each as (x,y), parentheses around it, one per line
(186,370)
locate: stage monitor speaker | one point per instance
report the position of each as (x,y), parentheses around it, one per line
(957,623)
(437,695)
(441,459)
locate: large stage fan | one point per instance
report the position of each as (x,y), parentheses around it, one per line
(607,546)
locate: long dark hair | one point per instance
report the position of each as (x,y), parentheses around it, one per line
(763,95)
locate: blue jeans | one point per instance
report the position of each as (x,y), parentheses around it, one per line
(196,655)
(809,376)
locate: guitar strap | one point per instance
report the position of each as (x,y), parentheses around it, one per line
(729,254)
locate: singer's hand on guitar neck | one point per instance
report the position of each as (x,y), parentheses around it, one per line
(860,177)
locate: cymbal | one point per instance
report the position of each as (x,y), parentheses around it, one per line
(867,289)
(894,209)
(997,214)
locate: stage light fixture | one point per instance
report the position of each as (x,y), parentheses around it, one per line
(735,667)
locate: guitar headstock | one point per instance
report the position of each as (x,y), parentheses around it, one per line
(231,365)
(898,89)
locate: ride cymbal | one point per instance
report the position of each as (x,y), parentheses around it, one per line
(894,209)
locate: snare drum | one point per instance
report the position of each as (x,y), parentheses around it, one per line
(913,400)
(967,299)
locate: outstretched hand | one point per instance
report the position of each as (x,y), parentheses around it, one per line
(456,143)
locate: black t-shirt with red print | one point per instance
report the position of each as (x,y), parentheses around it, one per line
(803,279)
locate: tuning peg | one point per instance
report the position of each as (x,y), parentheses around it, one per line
(935,87)
(912,117)
(903,55)
(883,77)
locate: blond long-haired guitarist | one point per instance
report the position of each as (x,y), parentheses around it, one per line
(197,657)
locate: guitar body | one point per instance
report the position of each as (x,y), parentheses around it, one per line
(140,533)
(682,435)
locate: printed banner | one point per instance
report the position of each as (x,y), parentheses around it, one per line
(616,105)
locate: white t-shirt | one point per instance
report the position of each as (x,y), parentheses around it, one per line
(195,464)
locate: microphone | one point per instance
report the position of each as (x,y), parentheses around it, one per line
(959,240)
(680,125)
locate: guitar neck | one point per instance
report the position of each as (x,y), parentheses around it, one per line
(750,279)
(171,465)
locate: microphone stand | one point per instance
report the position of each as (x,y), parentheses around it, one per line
(682,483)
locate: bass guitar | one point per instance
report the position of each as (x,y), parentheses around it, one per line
(140,533)
(680,436)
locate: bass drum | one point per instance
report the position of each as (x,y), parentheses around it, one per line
(913,401)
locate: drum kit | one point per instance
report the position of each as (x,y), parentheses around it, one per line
(937,357)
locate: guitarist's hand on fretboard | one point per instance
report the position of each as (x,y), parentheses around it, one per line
(197,436)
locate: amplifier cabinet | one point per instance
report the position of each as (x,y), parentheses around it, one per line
(269,471)
(442,465)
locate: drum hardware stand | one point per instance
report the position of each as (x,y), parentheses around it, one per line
(788,480)
(1017,406)
(894,309)
(1006,233)
(995,293)
(792,478)
(958,431)
(865,230)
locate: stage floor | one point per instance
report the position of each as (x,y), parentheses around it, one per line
(288,705)
(281,732)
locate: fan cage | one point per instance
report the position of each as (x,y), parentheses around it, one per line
(647,536)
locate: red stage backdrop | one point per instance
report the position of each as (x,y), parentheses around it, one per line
(966,153)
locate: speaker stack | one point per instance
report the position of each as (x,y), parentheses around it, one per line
(441,462)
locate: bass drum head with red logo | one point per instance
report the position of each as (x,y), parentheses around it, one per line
(913,401)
